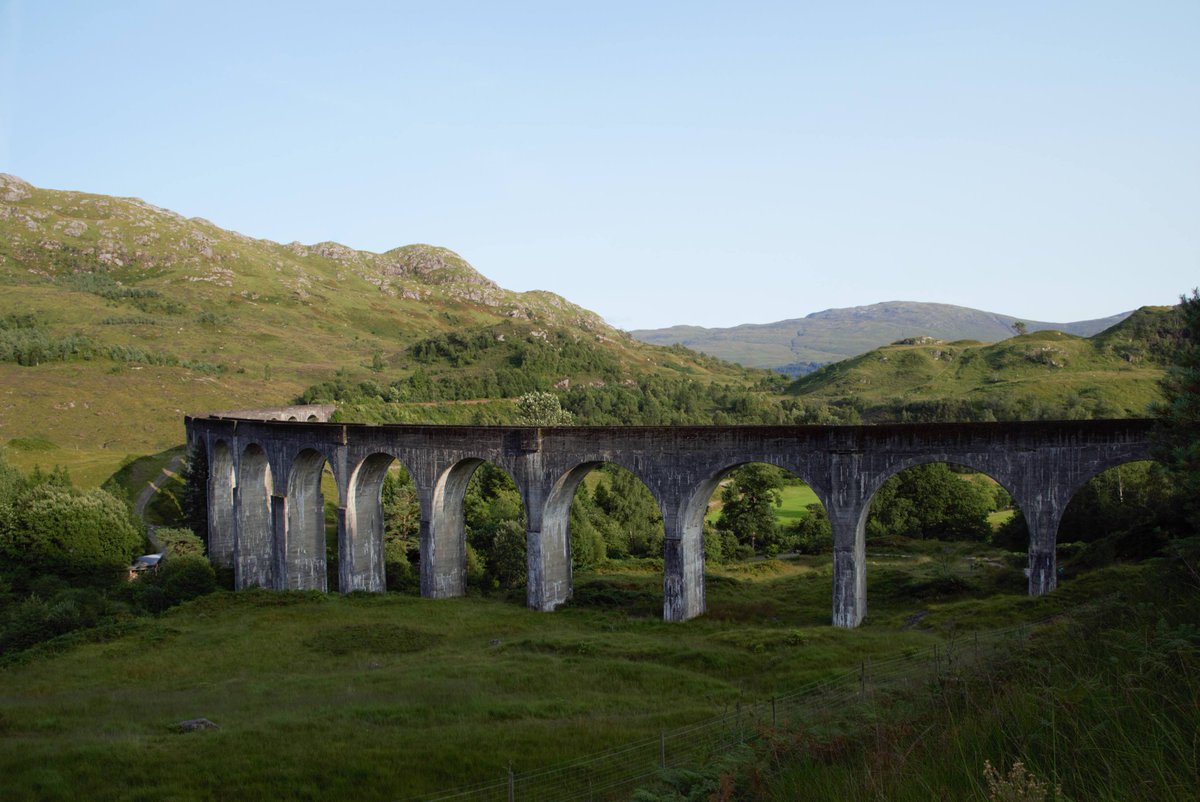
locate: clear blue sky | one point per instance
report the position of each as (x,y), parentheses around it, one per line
(660,163)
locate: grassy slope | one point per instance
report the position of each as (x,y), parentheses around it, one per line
(276,318)
(1104,704)
(301,721)
(279,318)
(1114,367)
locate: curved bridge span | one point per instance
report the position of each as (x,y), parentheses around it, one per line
(266,509)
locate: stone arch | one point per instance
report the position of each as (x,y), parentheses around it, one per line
(444,542)
(876,482)
(692,511)
(360,533)
(695,505)
(551,580)
(444,545)
(1104,500)
(550,558)
(254,549)
(552,563)
(850,579)
(1094,469)
(221,519)
(302,554)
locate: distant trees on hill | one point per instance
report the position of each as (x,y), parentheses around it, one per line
(26,341)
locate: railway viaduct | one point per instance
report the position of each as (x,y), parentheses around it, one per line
(266,508)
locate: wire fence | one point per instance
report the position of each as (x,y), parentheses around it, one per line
(615,773)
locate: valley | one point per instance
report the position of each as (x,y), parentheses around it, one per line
(117,318)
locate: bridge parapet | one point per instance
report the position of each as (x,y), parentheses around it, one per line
(266,511)
(308,413)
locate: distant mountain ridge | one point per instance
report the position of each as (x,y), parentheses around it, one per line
(799,345)
(1043,375)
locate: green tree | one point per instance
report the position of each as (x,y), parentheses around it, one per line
(65,531)
(495,522)
(933,502)
(11,481)
(401,509)
(813,533)
(401,530)
(748,503)
(57,477)
(177,580)
(178,542)
(632,523)
(588,548)
(506,557)
(542,409)
(194,499)
(12,484)
(1119,499)
(1178,435)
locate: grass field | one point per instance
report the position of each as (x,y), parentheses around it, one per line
(796,499)
(382,697)
(1000,517)
(794,506)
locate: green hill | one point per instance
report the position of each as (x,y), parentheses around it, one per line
(117,317)
(801,344)
(1046,374)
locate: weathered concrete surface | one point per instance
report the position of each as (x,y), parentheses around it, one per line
(271,538)
(308,413)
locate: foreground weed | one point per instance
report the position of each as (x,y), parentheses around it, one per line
(1019,785)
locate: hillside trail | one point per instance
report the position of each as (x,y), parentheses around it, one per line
(169,472)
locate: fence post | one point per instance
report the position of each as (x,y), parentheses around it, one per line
(774,724)
(663,749)
(512,785)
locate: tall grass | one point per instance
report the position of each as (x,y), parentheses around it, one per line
(1103,704)
(390,697)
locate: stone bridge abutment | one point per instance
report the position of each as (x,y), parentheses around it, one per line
(267,520)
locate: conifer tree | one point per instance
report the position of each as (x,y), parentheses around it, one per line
(1179,412)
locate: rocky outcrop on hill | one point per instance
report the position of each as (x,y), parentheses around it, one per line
(52,233)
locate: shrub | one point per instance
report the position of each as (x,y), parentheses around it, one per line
(42,616)
(72,533)
(813,534)
(177,580)
(179,542)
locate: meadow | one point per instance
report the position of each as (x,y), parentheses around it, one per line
(389,696)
